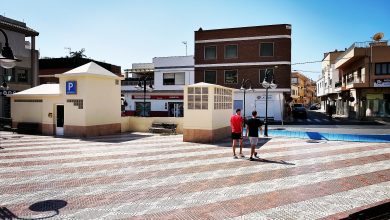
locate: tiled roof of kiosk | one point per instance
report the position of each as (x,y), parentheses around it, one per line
(90,68)
(44,89)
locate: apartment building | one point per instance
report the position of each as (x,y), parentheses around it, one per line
(303,89)
(326,85)
(167,76)
(364,80)
(24,75)
(231,56)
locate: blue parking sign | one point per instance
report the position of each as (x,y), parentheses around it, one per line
(71,87)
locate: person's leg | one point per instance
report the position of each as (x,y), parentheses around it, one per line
(241,140)
(253,150)
(234,147)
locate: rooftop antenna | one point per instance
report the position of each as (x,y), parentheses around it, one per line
(68,48)
(185,43)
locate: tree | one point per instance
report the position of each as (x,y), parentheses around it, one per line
(78,54)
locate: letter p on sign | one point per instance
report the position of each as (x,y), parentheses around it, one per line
(71,87)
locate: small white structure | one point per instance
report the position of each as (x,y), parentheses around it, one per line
(86,102)
(208,108)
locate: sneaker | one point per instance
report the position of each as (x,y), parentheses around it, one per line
(256,155)
(251,159)
(235,157)
(242,155)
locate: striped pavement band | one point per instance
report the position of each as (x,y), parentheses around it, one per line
(143,176)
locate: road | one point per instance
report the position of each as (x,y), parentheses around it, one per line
(316,117)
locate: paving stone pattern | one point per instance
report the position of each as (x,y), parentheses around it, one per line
(144,176)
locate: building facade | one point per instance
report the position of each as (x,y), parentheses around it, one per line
(24,74)
(326,85)
(364,81)
(168,76)
(303,89)
(228,57)
(48,67)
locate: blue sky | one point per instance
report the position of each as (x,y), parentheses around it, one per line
(125,32)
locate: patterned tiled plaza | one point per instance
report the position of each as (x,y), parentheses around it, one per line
(143,176)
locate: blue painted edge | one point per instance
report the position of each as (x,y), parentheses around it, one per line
(377,138)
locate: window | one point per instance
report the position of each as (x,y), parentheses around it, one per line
(210,53)
(198,98)
(22,75)
(294,80)
(262,74)
(231,76)
(266,49)
(141,109)
(210,77)
(173,78)
(11,74)
(223,98)
(382,68)
(231,51)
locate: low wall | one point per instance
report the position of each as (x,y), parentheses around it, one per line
(142,124)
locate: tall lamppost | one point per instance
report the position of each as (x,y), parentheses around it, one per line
(142,85)
(267,83)
(7,59)
(244,87)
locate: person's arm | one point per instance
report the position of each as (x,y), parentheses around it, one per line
(247,131)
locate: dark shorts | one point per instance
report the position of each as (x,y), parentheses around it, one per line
(236,136)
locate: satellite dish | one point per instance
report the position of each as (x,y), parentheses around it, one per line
(378,36)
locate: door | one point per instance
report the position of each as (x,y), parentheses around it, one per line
(175,109)
(60,120)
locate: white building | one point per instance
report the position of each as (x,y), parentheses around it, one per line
(327,84)
(167,75)
(256,100)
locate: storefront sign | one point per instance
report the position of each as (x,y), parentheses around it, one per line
(160,97)
(382,83)
(71,87)
(374,96)
(262,97)
(7,92)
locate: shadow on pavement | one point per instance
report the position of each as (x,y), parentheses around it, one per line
(273,161)
(228,142)
(379,212)
(118,138)
(42,206)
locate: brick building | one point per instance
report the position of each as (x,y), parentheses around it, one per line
(48,67)
(228,56)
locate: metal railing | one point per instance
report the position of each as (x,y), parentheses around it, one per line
(364,44)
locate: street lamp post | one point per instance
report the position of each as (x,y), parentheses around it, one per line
(142,85)
(7,58)
(267,83)
(244,88)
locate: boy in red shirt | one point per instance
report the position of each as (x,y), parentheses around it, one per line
(236,124)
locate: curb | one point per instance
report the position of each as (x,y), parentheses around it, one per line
(377,138)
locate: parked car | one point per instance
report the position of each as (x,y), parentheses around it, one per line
(315,107)
(299,110)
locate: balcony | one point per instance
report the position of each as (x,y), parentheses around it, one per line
(339,87)
(355,83)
